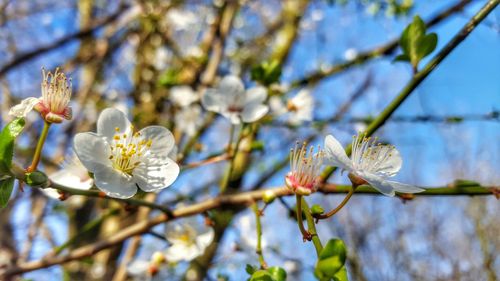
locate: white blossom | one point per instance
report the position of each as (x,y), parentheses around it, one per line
(189,239)
(188,120)
(183,95)
(53,104)
(232,101)
(372,162)
(73,174)
(297,110)
(152,269)
(123,160)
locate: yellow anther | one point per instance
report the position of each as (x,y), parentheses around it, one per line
(116,137)
(117,129)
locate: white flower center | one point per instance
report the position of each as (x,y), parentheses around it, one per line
(187,235)
(56,91)
(128,150)
(368,155)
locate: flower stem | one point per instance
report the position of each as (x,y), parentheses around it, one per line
(39,147)
(339,207)
(305,234)
(258,214)
(233,154)
(312,228)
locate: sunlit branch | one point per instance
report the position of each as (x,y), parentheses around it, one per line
(226,201)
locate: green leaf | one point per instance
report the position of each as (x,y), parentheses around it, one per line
(334,247)
(330,266)
(277,273)
(331,259)
(426,45)
(261,275)
(6,187)
(416,44)
(341,275)
(7,138)
(402,57)
(250,269)
(266,72)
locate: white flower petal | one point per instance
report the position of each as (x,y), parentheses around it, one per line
(303,98)
(212,100)
(179,252)
(22,109)
(162,140)
(51,193)
(253,112)
(405,188)
(109,120)
(335,154)
(183,95)
(92,150)
(115,183)
(155,175)
(277,106)
(66,177)
(385,160)
(231,85)
(378,183)
(256,95)
(138,267)
(205,239)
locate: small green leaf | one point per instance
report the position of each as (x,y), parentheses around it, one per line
(261,275)
(250,269)
(6,187)
(330,266)
(7,138)
(402,57)
(415,43)
(266,73)
(341,275)
(426,45)
(317,209)
(331,259)
(334,247)
(277,273)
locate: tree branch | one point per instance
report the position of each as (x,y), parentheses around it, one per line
(222,201)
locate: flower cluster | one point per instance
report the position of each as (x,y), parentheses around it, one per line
(371,163)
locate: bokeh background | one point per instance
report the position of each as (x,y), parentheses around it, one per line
(129,54)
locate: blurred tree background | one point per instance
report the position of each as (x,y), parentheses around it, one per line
(131,55)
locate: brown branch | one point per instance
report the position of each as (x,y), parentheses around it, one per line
(223,201)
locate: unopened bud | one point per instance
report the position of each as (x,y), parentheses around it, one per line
(158,258)
(269,197)
(36,178)
(317,210)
